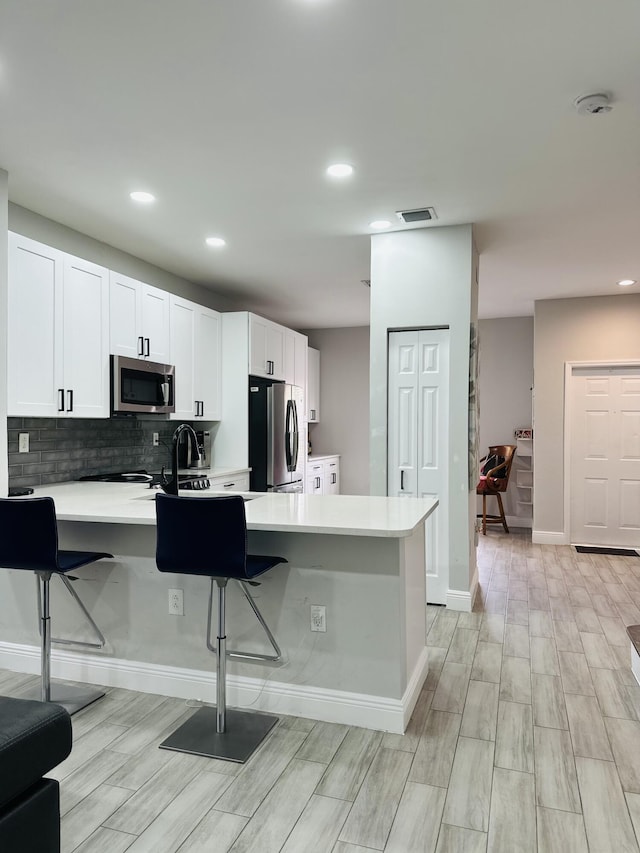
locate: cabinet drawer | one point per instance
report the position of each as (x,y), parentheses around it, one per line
(237,483)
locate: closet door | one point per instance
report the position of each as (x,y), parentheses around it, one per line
(418,426)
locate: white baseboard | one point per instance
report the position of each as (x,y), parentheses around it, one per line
(316,703)
(460,600)
(635,663)
(549,537)
(415,685)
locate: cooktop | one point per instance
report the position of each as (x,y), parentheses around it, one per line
(186,481)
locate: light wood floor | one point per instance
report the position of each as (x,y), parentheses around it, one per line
(526,738)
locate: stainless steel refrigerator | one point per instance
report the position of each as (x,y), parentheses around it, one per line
(276,455)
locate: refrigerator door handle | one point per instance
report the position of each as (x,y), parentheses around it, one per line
(296,436)
(288,436)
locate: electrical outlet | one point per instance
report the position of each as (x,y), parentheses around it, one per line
(318,617)
(156,439)
(23,442)
(176,602)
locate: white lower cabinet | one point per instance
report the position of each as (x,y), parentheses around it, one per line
(323,476)
(58,333)
(235,483)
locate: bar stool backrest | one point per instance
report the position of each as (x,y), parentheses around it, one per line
(202,536)
(28,534)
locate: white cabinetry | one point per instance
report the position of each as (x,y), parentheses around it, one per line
(323,475)
(139,319)
(58,339)
(195,348)
(524,472)
(266,348)
(313,385)
(235,483)
(295,358)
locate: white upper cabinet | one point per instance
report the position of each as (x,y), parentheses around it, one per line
(266,348)
(208,366)
(196,353)
(183,325)
(313,385)
(139,319)
(58,343)
(295,358)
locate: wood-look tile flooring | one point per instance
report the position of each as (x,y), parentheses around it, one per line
(526,738)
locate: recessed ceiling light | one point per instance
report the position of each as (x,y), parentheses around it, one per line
(142,197)
(380,224)
(626,282)
(215,242)
(340,170)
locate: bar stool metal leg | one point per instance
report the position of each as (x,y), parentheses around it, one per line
(72,698)
(221,673)
(217,732)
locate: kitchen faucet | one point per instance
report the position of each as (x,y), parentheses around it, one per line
(171,486)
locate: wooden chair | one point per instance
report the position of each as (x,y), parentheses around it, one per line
(495,480)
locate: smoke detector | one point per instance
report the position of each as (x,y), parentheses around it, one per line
(593,105)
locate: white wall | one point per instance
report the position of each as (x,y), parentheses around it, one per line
(426,278)
(51,233)
(4,201)
(600,328)
(506,377)
(344,403)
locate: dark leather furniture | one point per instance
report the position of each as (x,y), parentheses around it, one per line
(208,536)
(34,738)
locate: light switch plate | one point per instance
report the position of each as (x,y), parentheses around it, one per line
(23,442)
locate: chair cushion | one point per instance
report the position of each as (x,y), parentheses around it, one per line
(257,564)
(490,485)
(34,738)
(69,560)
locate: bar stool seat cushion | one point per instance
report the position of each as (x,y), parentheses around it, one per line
(69,560)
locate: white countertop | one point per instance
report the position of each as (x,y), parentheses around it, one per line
(318,457)
(347,515)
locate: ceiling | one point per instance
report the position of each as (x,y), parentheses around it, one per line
(229,111)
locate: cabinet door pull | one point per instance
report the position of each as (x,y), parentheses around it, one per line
(70,400)
(313,415)
(201,408)
(334,479)
(317,482)
(228,485)
(146,340)
(402,480)
(61,399)
(140,345)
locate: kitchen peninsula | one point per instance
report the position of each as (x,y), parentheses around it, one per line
(360,557)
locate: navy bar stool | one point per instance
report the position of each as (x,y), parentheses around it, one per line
(29,541)
(208,536)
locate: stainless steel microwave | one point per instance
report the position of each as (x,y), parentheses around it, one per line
(139,386)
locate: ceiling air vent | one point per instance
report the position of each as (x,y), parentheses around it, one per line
(420,214)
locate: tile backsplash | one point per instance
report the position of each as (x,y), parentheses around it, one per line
(68,448)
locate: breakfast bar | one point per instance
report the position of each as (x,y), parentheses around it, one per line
(361,558)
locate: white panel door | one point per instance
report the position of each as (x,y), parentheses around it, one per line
(418,438)
(433,455)
(404,355)
(85,335)
(34,356)
(605,457)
